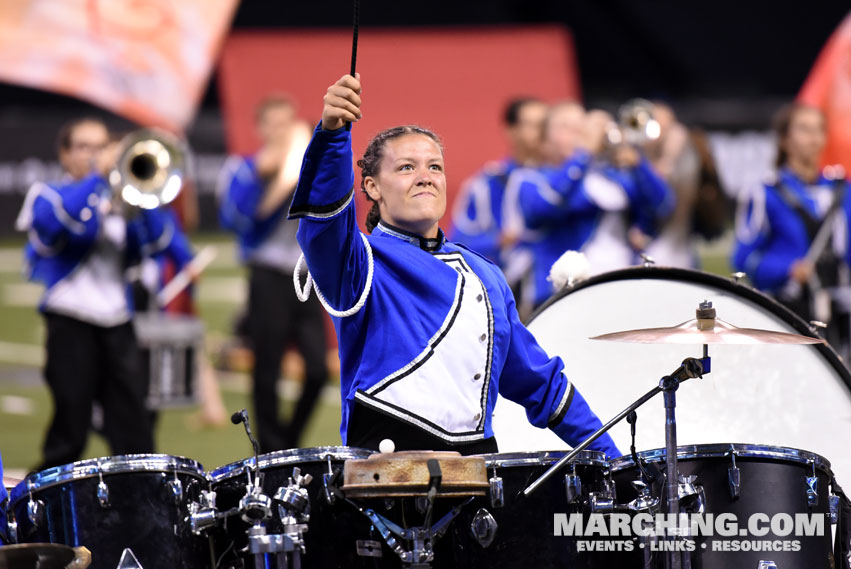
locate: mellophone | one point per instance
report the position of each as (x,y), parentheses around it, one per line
(340,507)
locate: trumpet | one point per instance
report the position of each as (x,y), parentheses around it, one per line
(635,126)
(150,168)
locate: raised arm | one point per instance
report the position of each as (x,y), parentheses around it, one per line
(328,233)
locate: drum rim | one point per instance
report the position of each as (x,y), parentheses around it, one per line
(533,458)
(722,450)
(289,456)
(675,273)
(107,465)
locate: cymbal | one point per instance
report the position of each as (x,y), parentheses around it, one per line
(703,331)
(35,556)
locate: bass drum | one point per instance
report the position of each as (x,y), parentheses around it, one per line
(791,396)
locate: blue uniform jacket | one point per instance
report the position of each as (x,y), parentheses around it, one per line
(770,234)
(438,335)
(66,221)
(478,210)
(240,192)
(557,205)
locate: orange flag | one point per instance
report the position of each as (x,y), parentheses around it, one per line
(828,87)
(147,60)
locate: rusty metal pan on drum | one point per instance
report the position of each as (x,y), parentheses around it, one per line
(92,467)
(291,457)
(724,450)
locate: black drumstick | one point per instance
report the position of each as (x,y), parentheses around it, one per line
(354,44)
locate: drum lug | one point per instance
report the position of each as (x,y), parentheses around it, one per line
(102,492)
(35,512)
(812,491)
(573,486)
(497,491)
(834,502)
(734,478)
(175,487)
(812,487)
(483,527)
(368,548)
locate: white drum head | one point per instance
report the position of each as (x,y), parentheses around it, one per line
(791,396)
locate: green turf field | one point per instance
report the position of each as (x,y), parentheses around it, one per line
(25,405)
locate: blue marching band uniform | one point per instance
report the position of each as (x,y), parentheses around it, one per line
(776,224)
(428,330)
(80,251)
(585,206)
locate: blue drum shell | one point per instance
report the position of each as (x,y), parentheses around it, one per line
(142,515)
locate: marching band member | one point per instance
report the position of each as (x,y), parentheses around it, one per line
(477,218)
(590,197)
(254,193)
(792,234)
(428,330)
(79,246)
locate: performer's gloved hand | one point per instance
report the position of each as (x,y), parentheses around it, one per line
(342,103)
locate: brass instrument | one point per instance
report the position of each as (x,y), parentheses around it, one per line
(150,168)
(636,125)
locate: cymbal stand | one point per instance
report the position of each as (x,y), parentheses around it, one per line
(668,385)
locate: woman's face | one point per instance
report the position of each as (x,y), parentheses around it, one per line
(410,185)
(806,137)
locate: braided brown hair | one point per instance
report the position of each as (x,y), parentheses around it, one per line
(372,158)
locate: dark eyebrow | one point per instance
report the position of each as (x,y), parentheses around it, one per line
(409,159)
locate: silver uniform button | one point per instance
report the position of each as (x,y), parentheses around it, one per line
(477,416)
(93,200)
(483,337)
(85,214)
(480,298)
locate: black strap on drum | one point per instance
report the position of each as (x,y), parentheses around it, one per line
(842,545)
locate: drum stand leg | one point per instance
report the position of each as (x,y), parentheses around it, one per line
(669,386)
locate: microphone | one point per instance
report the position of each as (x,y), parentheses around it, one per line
(242,417)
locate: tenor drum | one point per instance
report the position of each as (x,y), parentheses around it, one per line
(764,490)
(334,531)
(119,507)
(795,396)
(521,527)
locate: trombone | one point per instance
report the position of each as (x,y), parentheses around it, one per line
(150,169)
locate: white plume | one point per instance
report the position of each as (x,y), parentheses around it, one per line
(571,268)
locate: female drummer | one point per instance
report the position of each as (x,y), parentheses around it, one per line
(428,330)
(793,233)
